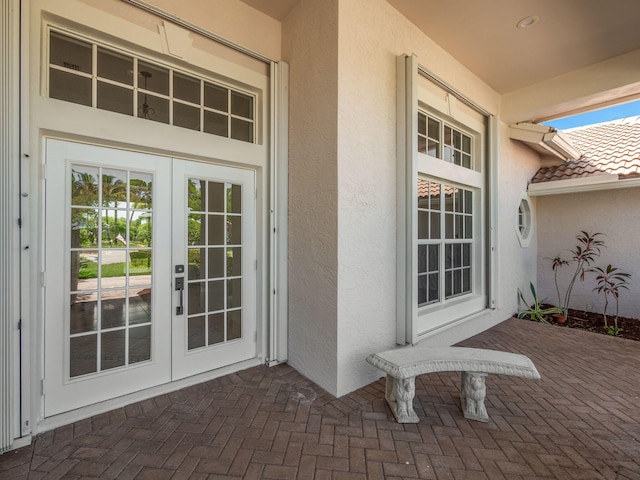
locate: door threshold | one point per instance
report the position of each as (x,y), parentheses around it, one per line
(66,418)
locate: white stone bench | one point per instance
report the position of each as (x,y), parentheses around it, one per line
(402,365)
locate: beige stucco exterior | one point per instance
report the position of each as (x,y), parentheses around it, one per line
(310,45)
(261,33)
(343,152)
(612,212)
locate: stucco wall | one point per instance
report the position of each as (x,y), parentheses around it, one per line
(366,186)
(517,263)
(372,34)
(310,45)
(614,213)
(231,19)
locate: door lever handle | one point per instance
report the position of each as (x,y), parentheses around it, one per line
(180,287)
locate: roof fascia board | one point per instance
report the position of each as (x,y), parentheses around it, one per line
(544,139)
(577,185)
(559,142)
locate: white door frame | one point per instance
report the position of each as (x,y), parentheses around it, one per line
(63,394)
(40,121)
(159,379)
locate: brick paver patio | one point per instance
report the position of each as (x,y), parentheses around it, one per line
(581,421)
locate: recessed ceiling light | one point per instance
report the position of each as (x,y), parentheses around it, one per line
(528,21)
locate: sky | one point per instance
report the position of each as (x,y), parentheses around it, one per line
(597,116)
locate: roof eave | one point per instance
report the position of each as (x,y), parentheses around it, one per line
(545,140)
(583,184)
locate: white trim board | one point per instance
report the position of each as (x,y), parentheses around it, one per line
(586,184)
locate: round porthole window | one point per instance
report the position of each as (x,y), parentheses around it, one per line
(523,221)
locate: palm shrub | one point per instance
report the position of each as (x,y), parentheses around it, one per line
(610,281)
(583,255)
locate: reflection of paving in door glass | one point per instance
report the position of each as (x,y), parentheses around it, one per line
(118,345)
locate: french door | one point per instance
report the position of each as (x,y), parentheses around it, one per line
(150,271)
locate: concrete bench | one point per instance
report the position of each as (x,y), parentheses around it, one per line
(402,365)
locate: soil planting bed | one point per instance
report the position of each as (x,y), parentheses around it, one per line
(594,322)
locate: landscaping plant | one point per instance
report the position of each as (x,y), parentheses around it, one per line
(610,281)
(583,255)
(613,331)
(535,311)
(556,263)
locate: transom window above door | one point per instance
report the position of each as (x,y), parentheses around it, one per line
(86,73)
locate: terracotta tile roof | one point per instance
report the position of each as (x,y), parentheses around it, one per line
(610,147)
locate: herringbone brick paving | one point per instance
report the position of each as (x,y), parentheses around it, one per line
(580,422)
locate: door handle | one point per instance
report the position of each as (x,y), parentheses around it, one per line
(180,287)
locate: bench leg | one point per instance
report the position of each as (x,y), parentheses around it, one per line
(472,393)
(399,395)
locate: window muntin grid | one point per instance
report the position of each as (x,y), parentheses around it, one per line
(214,251)
(93,75)
(442,141)
(111,231)
(523,222)
(445,240)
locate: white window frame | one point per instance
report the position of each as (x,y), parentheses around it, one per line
(473,243)
(138,89)
(416,322)
(524,220)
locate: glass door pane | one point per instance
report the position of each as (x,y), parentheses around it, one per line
(214,287)
(214,238)
(111,289)
(107,296)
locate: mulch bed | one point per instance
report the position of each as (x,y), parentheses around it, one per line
(594,322)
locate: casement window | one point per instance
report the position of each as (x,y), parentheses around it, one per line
(86,73)
(443,222)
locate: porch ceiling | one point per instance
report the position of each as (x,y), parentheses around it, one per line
(569,35)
